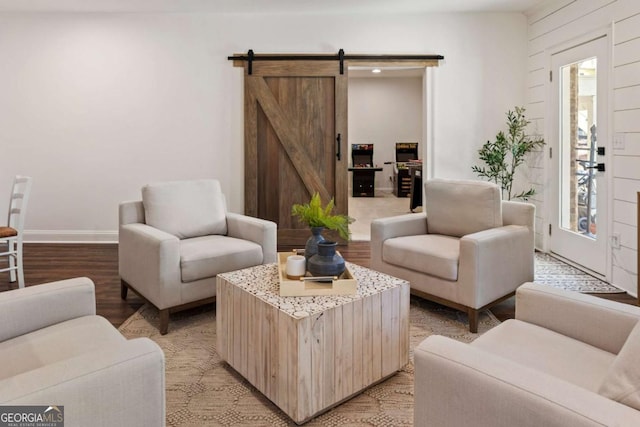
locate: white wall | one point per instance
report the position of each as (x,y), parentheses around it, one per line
(560,22)
(94,105)
(383,111)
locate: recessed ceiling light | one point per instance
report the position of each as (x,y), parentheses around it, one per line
(376,70)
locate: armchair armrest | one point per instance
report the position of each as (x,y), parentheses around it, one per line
(257,230)
(518,213)
(120,386)
(494,262)
(35,307)
(395,226)
(457,384)
(150,259)
(602,323)
(131,212)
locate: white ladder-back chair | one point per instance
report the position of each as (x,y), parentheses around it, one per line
(13,233)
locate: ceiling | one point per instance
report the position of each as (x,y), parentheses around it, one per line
(269,6)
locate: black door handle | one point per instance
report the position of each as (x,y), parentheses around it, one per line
(599,167)
(338,146)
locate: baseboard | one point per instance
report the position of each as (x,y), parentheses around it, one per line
(70,236)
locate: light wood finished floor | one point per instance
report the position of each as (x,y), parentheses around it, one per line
(48,262)
(366,209)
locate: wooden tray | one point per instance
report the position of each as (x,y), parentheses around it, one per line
(346,284)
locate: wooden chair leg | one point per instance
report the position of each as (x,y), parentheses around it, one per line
(164,321)
(123,289)
(473,320)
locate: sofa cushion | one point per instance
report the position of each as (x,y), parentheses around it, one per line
(461,207)
(186,208)
(431,254)
(622,382)
(203,257)
(55,343)
(547,351)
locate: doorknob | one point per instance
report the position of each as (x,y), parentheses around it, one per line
(338,144)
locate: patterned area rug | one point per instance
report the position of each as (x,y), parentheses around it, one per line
(202,390)
(553,272)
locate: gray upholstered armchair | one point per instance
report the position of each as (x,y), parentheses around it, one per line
(566,360)
(174,242)
(56,351)
(469,251)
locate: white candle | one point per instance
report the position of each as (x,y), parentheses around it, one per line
(296,266)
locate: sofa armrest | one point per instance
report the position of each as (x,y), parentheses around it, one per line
(149,260)
(395,226)
(457,384)
(601,323)
(35,307)
(493,263)
(260,231)
(123,385)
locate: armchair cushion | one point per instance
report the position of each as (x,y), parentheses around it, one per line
(622,382)
(186,208)
(55,303)
(431,254)
(461,207)
(55,343)
(207,256)
(549,352)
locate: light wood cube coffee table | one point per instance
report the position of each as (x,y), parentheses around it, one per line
(308,354)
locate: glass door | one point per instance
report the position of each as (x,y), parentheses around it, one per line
(579,80)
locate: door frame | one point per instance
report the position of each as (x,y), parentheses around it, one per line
(429,64)
(606,31)
(427,148)
(249,60)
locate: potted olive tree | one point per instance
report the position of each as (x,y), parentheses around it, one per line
(503,156)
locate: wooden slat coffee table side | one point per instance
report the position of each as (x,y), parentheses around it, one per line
(308,354)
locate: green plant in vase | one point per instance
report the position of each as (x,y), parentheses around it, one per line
(319,217)
(503,156)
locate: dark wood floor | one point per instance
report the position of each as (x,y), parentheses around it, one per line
(49,262)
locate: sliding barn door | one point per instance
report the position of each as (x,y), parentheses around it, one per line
(295,140)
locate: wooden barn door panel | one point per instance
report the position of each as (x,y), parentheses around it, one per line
(293,114)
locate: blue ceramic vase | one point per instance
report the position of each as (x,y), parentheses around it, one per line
(311,248)
(326,262)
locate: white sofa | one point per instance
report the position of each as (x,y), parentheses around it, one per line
(174,242)
(566,360)
(469,251)
(56,351)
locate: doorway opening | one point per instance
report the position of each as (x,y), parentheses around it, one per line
(296,130)
(386,107)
